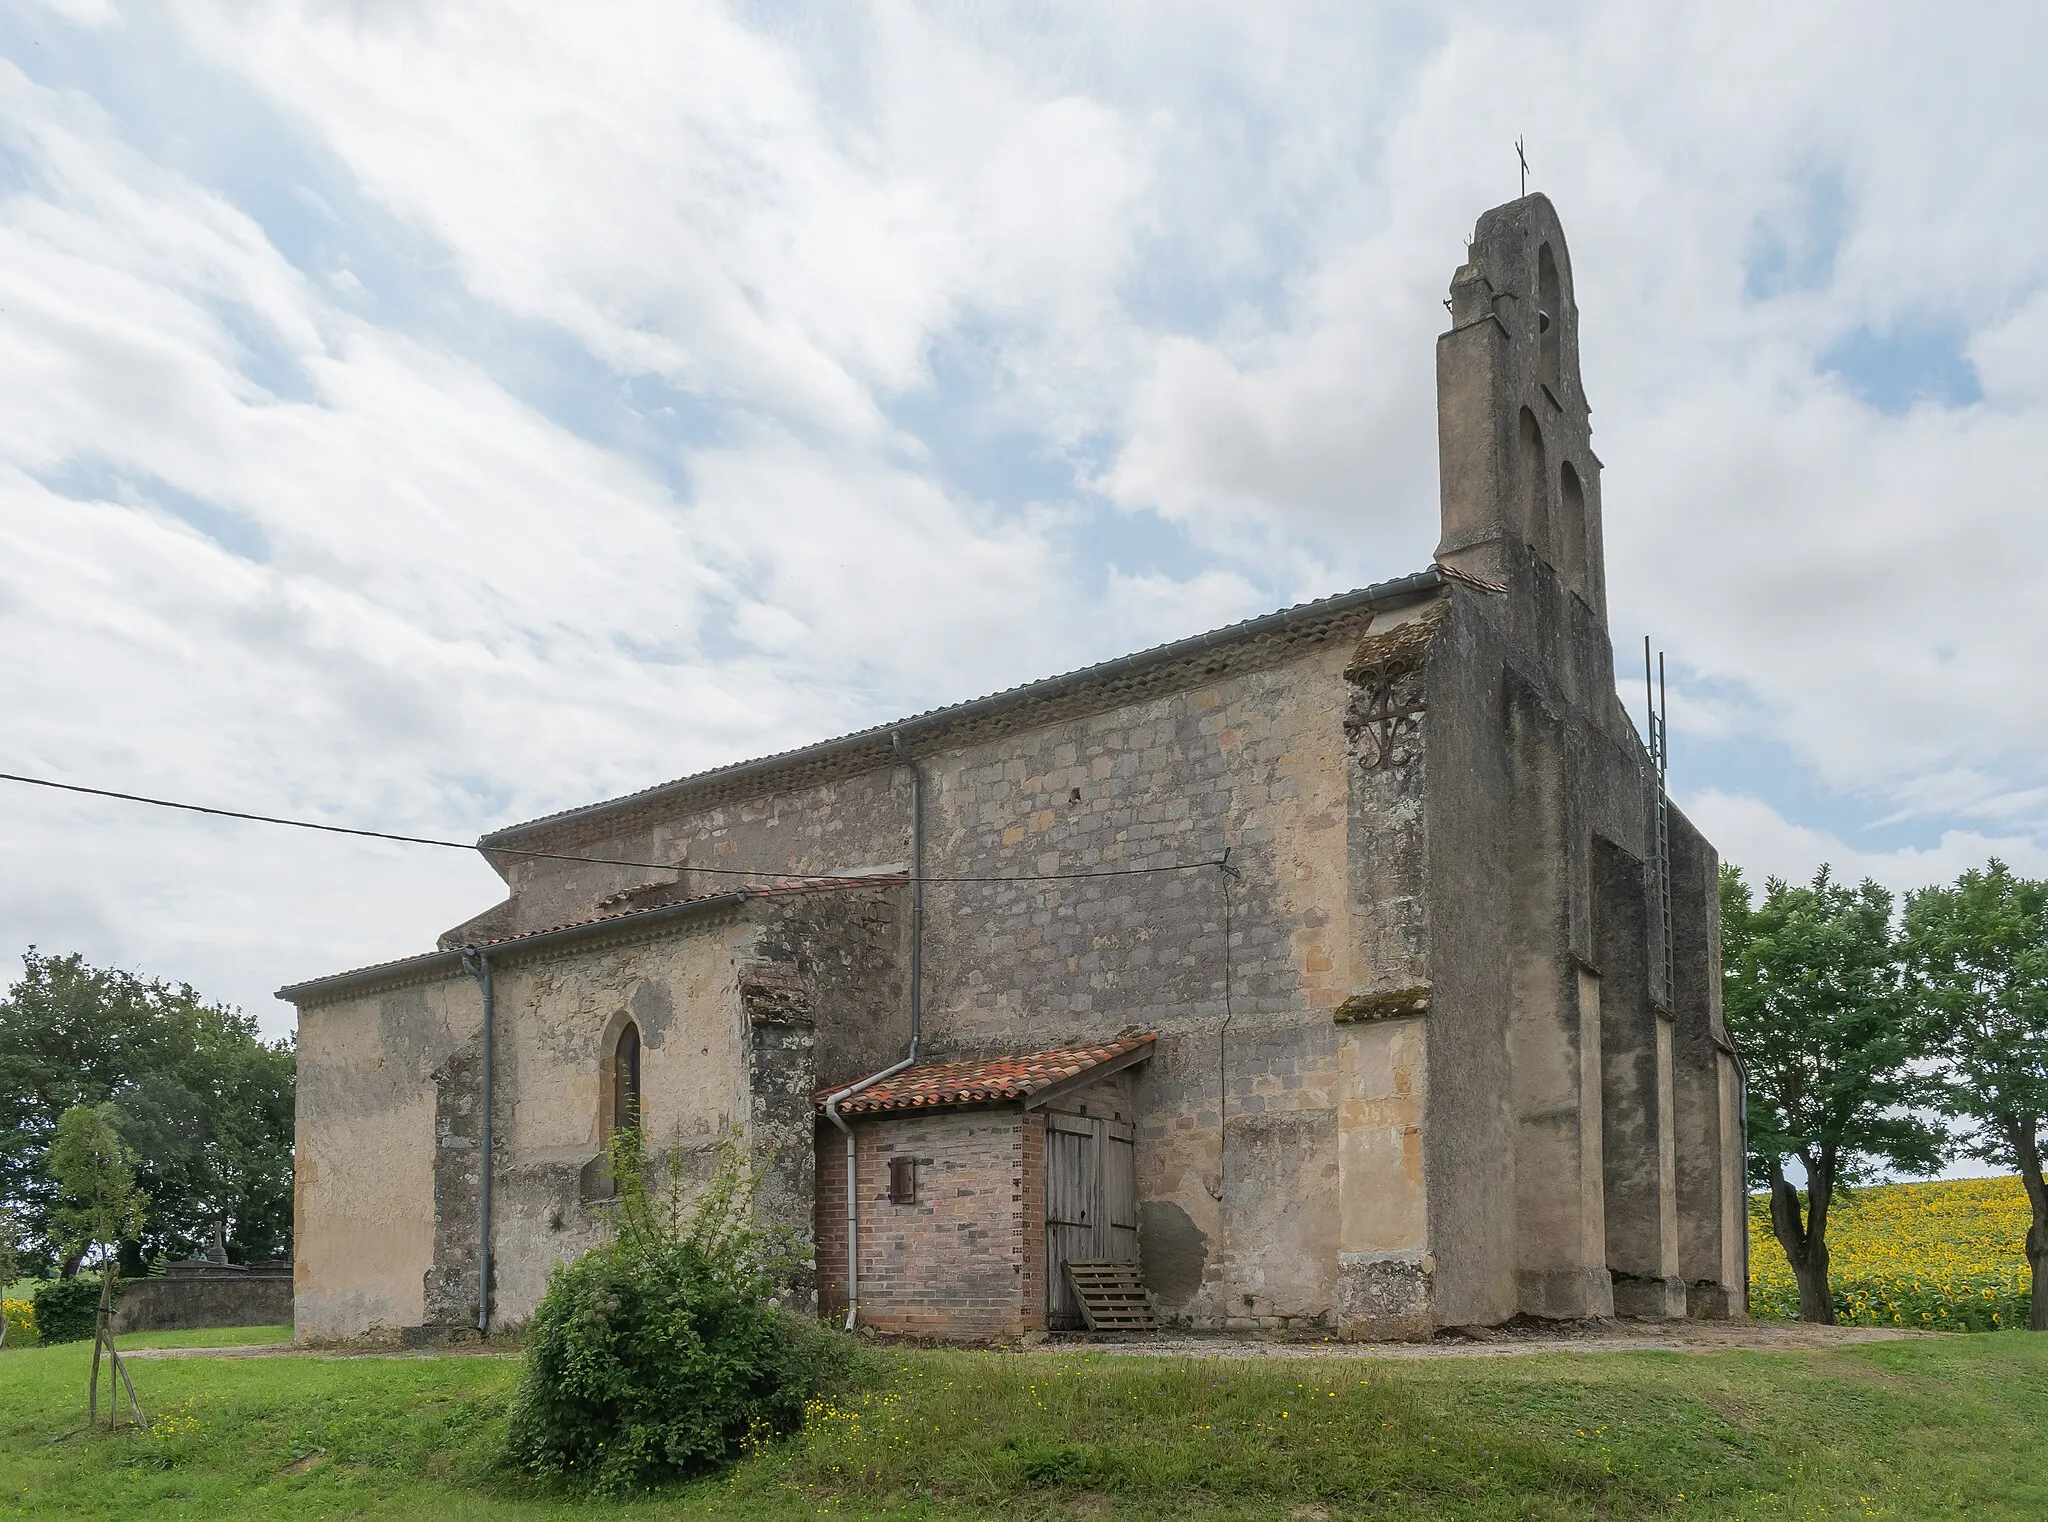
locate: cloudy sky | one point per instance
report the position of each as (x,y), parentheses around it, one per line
(430,416)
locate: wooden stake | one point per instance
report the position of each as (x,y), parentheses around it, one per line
(121,1368)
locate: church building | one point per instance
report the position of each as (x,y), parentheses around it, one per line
(1346,971)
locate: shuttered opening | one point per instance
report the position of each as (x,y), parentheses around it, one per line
(1091,1213)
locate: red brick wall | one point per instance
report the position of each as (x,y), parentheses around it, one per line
(828,1220)
(967,1260)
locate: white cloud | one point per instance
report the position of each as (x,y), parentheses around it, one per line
(1756,837)
(1018,336)
(675,188)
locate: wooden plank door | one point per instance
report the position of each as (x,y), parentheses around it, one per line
(1119,1236)
(1091,1210)
(1072,1208)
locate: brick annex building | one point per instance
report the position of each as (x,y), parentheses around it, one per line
(1441,1045)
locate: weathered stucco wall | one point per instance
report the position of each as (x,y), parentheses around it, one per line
(1470,1117)
(559,1018)
(726,997)
(366,1154)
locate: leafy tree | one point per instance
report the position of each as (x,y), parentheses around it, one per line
(1980,951)
(98,1207)
(205,1104)
(1816,999)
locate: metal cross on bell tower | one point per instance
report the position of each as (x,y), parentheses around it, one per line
(1522,154)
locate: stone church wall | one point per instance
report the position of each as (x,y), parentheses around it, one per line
(1417,1062)
(1254,760)
(727,1000)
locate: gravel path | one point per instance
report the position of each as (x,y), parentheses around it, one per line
(1499,1342)
(1502,1342)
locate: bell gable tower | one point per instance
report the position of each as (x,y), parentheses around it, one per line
(1521,484)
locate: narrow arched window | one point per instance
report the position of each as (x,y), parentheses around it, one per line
(1550,317)
(625,1114)
(1573,533)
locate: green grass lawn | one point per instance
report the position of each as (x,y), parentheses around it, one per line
(1934,1428)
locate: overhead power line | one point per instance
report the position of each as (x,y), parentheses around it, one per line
(593,861)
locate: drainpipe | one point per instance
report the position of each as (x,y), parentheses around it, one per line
(477,964)
(916,1026)
(853,1184)
(1742,1115)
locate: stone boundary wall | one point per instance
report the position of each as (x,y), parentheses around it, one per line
(186,1301)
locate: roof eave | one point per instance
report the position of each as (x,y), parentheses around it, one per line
(1142,1052)
(415,969)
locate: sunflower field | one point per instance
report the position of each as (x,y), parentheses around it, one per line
(1943,1257)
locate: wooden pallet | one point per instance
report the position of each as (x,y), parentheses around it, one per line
(1112,1297)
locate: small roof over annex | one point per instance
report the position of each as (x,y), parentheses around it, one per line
(449,960)
(1029,1078)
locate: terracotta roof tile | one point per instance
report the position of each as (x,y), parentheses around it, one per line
(985,1080)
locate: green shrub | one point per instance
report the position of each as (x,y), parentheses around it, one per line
(65,1308)
(663,1353)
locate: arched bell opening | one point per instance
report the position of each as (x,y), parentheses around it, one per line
(1534,489)
(1550,318)
(1576,562)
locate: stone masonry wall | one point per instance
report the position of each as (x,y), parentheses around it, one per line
(821,984)
(1248,755)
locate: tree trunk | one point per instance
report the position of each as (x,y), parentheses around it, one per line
(1805,1241)
(2025,1140)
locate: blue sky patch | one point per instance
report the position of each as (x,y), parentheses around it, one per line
(1796,250)
(1912,362)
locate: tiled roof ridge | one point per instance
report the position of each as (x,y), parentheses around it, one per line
(821,884)
(1045,688)
(983,1080)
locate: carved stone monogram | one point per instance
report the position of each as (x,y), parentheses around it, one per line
(1384,718)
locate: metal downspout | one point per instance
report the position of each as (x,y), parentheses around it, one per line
(478,964)
(916,1026)
(852,1183)
(1742,1118)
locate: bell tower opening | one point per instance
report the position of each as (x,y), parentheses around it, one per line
(1571,500)
(1549,318)
(1535,487)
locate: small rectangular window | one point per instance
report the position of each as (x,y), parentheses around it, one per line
(902,1181)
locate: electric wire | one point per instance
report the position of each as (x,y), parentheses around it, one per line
(593,861)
